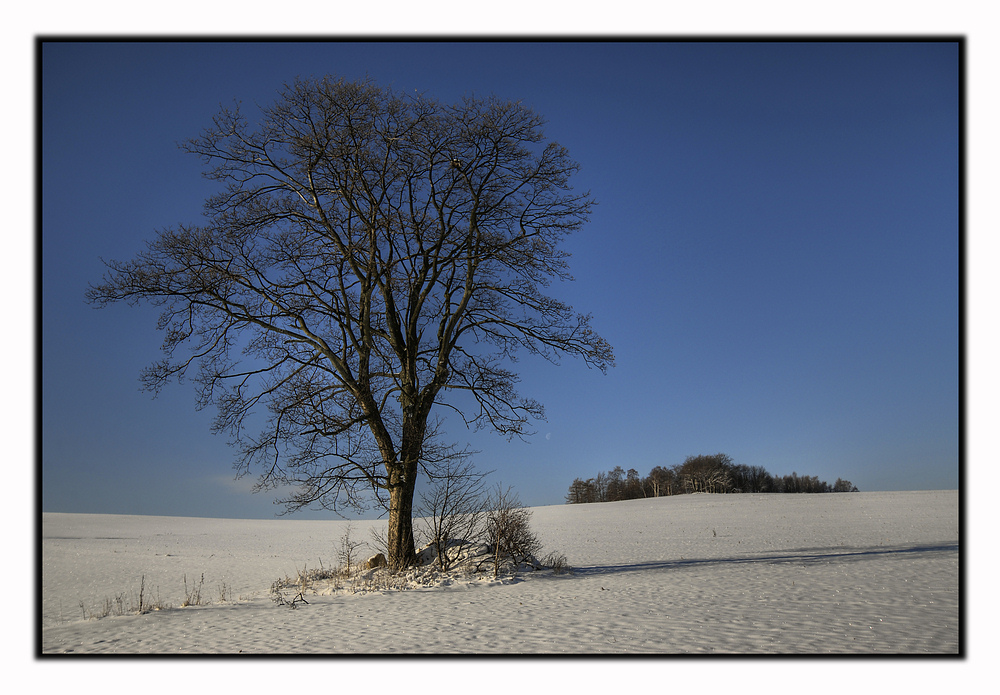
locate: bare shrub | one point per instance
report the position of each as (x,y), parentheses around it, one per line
(454,509)
(144,602)
(508,531)
(126,603)
(380,539)
(192,597)
(347,550)
(557,563)
(279,597)
(472,532)
(225,593)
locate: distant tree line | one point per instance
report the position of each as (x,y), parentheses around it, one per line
(715,474)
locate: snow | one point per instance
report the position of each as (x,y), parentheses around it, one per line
(851,573)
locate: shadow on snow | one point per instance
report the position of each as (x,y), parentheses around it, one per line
(800,556)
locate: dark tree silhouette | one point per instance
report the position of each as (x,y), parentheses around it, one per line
(716,474)
(843,486)
(368,257)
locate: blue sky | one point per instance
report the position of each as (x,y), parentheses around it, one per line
(774,256)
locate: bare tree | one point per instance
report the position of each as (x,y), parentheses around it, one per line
(616,484)
(369,256)
(662,480)
(634,487)
(347,551)
(705,473)
(454,508)
(600,487)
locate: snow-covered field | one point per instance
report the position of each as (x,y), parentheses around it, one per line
(859,573)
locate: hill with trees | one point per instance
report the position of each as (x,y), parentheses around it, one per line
(713,474)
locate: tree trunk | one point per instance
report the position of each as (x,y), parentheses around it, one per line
(403,482)
(402,552)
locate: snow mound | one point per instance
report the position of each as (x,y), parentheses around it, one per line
(467,562)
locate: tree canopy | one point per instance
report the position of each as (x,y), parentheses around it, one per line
(368,255)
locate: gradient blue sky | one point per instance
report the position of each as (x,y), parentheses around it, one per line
(775,256)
